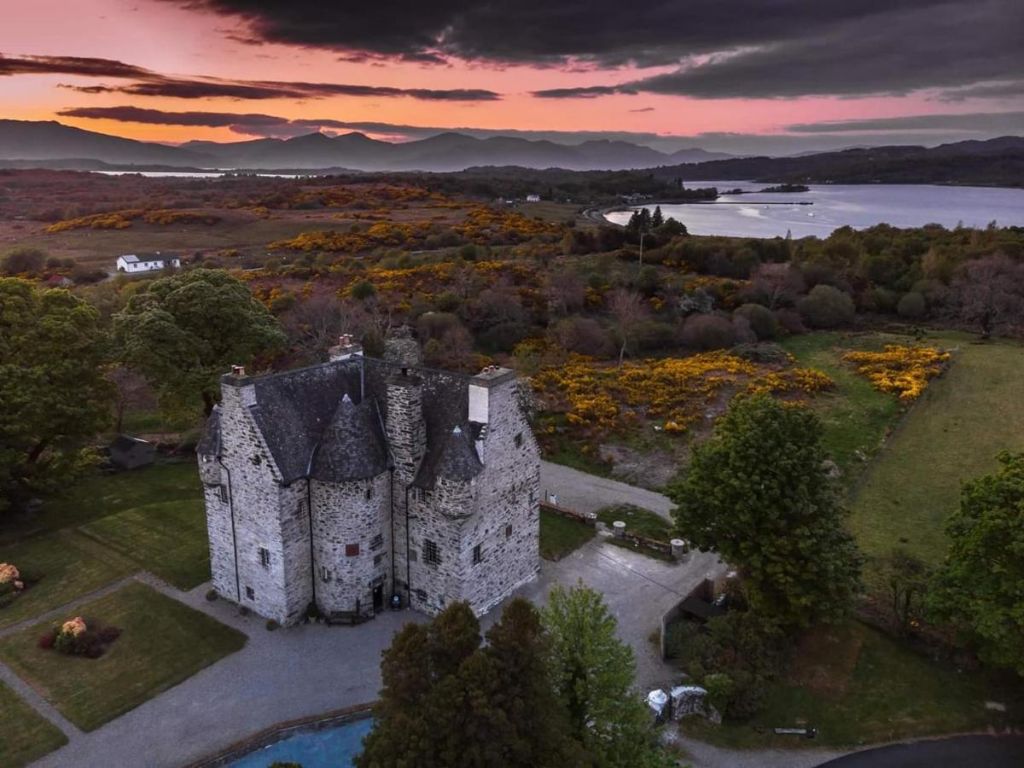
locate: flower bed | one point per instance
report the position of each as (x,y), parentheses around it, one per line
(77,637)
(12,583)
(596,400)
(902,370)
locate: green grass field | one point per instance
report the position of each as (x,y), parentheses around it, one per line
(559,535)
(25,735)
(639,521)
(162,643)
(858,686)
(953,433)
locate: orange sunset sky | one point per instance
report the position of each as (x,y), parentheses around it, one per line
(705,84)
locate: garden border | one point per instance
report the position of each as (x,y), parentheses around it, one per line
(278,731)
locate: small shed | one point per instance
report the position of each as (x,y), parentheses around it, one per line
(127,452)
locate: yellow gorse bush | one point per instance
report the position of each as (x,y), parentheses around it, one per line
(901,370)
(677,391)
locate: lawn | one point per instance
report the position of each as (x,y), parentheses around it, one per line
(163,642)
(951,434)
(561,535)
(66,564)
(25,735)
(167,538)
(858,686)
(639,521)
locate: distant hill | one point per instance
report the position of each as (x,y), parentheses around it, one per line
(996,162)
(52,143)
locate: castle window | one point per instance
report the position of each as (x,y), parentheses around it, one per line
(508,530)
(325,573)
(533,496)
(303,509)
(431,553)
(519,440)
(377,542)
(264,557)
(414,494)
(250,593)
(369,492)
(478,555)
(223,490)
(256,459)
(352,550)
(378,559)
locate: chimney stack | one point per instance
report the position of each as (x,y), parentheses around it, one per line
(238,371)
(346,349)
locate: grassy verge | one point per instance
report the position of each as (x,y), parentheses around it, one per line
(66,565)
(639,521)
(858,686)
(25,735)
(163,642)
(560,535)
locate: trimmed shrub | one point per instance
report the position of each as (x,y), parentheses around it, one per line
(912,306)
(651,335)
(762,321)
(789,321)
(826,307)
(583,335)
(705,332)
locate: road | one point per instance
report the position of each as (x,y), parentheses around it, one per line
(957,752)
(588,493)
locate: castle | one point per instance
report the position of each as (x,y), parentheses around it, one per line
(360,481)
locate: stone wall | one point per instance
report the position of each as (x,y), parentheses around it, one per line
(346,516)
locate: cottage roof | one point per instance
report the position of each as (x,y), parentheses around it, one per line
(129,258)
(127,443)
(352,447)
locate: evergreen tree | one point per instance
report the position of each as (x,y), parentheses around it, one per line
(657,219)
(759,495)
(593,671)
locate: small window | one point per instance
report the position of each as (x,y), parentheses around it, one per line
(431,553)
(519,440)
(413,556)
(421,595)
(378,559)
(256,459)
(250,593)
(508,530)
(325,573)
(377,542)
(369,492)
(303,509)
(264,557)
(533,496)
(351,550)
(414,494)
(478,555)
(223,494)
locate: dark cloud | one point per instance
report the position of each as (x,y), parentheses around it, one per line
(148,83)
(160,117)
(742,48)
(1009,89)
(982,122)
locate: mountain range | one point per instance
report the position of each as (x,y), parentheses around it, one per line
(56,145)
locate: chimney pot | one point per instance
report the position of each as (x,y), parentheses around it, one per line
(238,370)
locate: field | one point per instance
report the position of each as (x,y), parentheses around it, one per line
(163,642)
(857,686)
(24,734)
(106,527)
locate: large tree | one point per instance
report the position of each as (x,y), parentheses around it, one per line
(593,671)
(758,493)
(980,588)
(182,332)
(989,292)
(447,701)
(53,394)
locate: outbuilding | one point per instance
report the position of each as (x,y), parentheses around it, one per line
(133,264)
(127,452)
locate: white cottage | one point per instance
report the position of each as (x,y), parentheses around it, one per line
(133,264)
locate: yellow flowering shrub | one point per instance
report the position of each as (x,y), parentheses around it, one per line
(899,369)
(8,573)
(73,627)
(675,391)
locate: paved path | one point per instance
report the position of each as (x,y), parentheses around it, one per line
(957,752)
(588,493)
(62,612)
(41,705)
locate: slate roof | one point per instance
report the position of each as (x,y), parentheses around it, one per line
(126,443)
(312,432)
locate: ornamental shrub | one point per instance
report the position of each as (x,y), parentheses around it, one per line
(826,307)
(706,332)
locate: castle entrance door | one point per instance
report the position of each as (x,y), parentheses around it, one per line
(378,598)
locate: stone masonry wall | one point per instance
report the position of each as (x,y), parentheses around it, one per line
(347,514)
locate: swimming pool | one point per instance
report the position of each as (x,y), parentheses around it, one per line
(332,746)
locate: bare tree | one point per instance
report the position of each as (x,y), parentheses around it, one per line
(777,284)
(990,292)
(628,311)
(566,291)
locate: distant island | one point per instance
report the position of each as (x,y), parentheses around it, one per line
(780,188)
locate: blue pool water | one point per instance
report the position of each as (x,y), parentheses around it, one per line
(332,747)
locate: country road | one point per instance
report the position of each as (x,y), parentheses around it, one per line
(589,493)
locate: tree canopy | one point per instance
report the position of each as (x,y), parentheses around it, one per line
(980,588)
(758,494)
(53,394)
(182,332)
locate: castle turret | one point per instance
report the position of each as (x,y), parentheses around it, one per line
(406,430)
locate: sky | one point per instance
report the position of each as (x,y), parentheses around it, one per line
(773,76)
